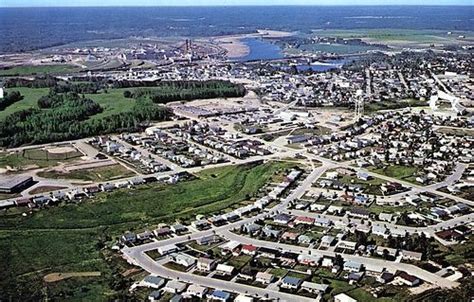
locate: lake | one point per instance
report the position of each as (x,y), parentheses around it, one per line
(261,50)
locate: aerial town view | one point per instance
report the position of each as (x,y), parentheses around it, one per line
(237,151)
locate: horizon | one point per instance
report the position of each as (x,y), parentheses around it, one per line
(228,3)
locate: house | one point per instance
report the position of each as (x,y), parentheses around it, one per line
(352,266)
(153,281)
(251,228)
(249,249)
(282,218)
(386,217)
(289,257)
(291,283)
(246,274)
(144,235)
(176,298)
(219,295)
(359,213)
(314,288)
(167,249)
(304,239)
(343,298)
(311,260)
(347,245)
(409,255)
(195,290)
(264,278)
(406,279)
(268,252)
(164,231)
(270,232)
(178,228)
(354,277)
(243,298)
(205,264)
(200,224)
(363,176)
(380,231)
(207,240)
(381,251)
(224,269)
(327,262)
(290,236)
(182,259)
(154,296)
(385,277)
(175,287)
(323,222)
(128,238)
(230,247)
(304,220)
(327,240)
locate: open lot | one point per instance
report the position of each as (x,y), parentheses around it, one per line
(70,237)
(94,174)
(38,69)
(36,158)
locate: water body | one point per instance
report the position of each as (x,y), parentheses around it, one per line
(322,66)
(33,28)
(261,50)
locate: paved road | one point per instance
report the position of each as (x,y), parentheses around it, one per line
(429,230)
(137,256)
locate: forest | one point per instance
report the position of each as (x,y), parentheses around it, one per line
(66,114)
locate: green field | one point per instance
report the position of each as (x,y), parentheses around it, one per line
(69,237)
(95,174)
(405,173)
(112,102)
(395,35)
(34,158)
(30,100)
(38,69)
(391,105)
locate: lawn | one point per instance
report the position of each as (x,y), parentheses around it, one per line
(112,102)
(239,261)
(95,174)
(405,173)
(387,105)
(69,237)
(30,100)
(38,69)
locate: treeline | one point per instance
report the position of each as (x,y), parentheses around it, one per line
(165,92)
(38,82)
(67,118)
(9,99)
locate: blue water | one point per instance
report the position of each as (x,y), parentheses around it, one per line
(261,50)
(331,64)
(32,28)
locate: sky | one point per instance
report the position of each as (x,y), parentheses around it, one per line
(35,3)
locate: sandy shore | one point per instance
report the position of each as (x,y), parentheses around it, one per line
(234,46)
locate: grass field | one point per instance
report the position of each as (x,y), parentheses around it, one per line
(34,158)
(95,174)
(112,102)
(38,69)
(394,35)
(30,100)
(67,238)
(389,105)
(405,173)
